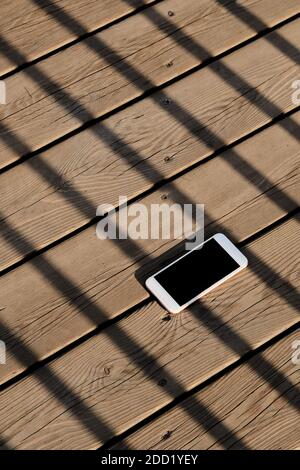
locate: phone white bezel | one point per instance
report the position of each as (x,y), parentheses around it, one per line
(167,300)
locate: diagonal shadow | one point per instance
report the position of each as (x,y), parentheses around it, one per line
(194,127)
(55,274)
(126,151)
(60,390)
(68,288)
(275,378)
(230,77)
(98,46)
(224,71)
(148,363)
(60,282)
(240,346)
(269,108)
(125,343)
(263,368)
(256,24)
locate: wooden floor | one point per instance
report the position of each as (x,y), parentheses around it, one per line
(155,100)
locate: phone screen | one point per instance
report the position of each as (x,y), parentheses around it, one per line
(196,272)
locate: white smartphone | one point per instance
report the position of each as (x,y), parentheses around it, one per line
(196,273)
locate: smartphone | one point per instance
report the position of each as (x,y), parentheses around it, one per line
(196,273)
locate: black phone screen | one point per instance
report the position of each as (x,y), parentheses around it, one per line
(196,272)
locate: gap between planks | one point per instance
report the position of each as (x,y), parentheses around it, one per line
(244,402)
(141,363)
(48,100)
(23,24)
(55,193)
(67,292)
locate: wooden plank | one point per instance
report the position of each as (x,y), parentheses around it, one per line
(51,195)
(29,26)
(243,401)
(260,184)
(141,363)
(48,100)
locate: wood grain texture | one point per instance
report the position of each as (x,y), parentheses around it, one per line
(242,401)
(56,192)
(34,32)
(141,363)
(63,294)
(58,95)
